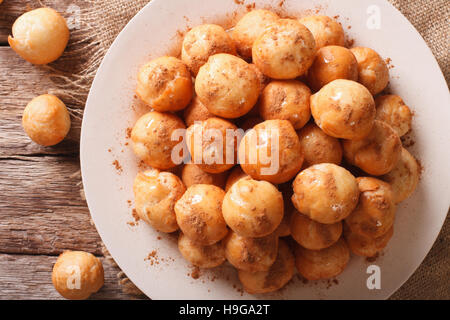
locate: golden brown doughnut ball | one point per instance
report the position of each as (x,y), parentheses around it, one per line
(155,195)
(209,146)
(165,84)
(46,120)
(279,274)
(227,85)
(151,138)
(192,174)
(39,36)
(376,154)
(196,111)
(318,147)
(325,192)
(284,229)
(199,214)
(263,79)
(77,274)
(322,264)
(332,63)
(251,254)
(286,100)
(326,31)
(404,177)
(313,235)
(235,175)
(392,110)
(203,41)
(344,109)
(249,28)
(373,72)
(375,213)
(200,255)
(271,152)
(285,50)
(365,246)
(253,208)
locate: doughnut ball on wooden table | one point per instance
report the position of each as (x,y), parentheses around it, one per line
(326,31)
(373,72)
(202,256)
(165,84)
(39,36)
(392,110)
(366,246)
(285,50)
(196,111)
(192,174)
(77,274)
(325,192)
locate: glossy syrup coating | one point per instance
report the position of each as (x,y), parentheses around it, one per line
(365,246)
(393,110)
(200,255)
(192,174)
(196,111)
(373,72)
(155,195)
(235,175)
(326,31)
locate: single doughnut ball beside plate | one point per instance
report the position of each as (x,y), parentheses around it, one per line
(192,174)
(151,139)
(322,264)
(200,255)
(165,84)
(375,213)
(326,31)
(235,175)
(373,72)
(318,147)
(376,154)
(77,274)
(253,208)
(196,111)
(46,120)
(344,109)
(155,195)
(279,274)
(325,192)
(286,100)
(285,50)
(249,28)
(199,214)
(271,152)
(404,177)
(313,235)
(332,63)
(392,110)
(227,85)
(251,254)
(203,41)
(39,36)
(365,246)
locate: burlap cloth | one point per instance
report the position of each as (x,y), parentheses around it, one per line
(104,19)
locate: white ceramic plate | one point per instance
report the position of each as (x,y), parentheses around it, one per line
(152,33)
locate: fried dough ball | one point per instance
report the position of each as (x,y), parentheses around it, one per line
(249,28)
(253,208)
(263,79)
(392,110)
(332,63)
(344,109)
(376,154)
(77,274)
(200,255)
(151,138)
(326,30)
(322,264)
(192,174)
(404,177)
(319,147)
(235,175)
(251,254)
(325,192)
(364,246)
(286,100)
(285,50)
(199,214)
(373,72)
(279,274)
(284,229)
(46,120)
(165,84)
(227,85)
(39,36)
(155,195)
(196,111)
(271,152)
(313,235)
(210,147)
(375,213)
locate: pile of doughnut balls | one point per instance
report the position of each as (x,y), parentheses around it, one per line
(341,172)
(40,36)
